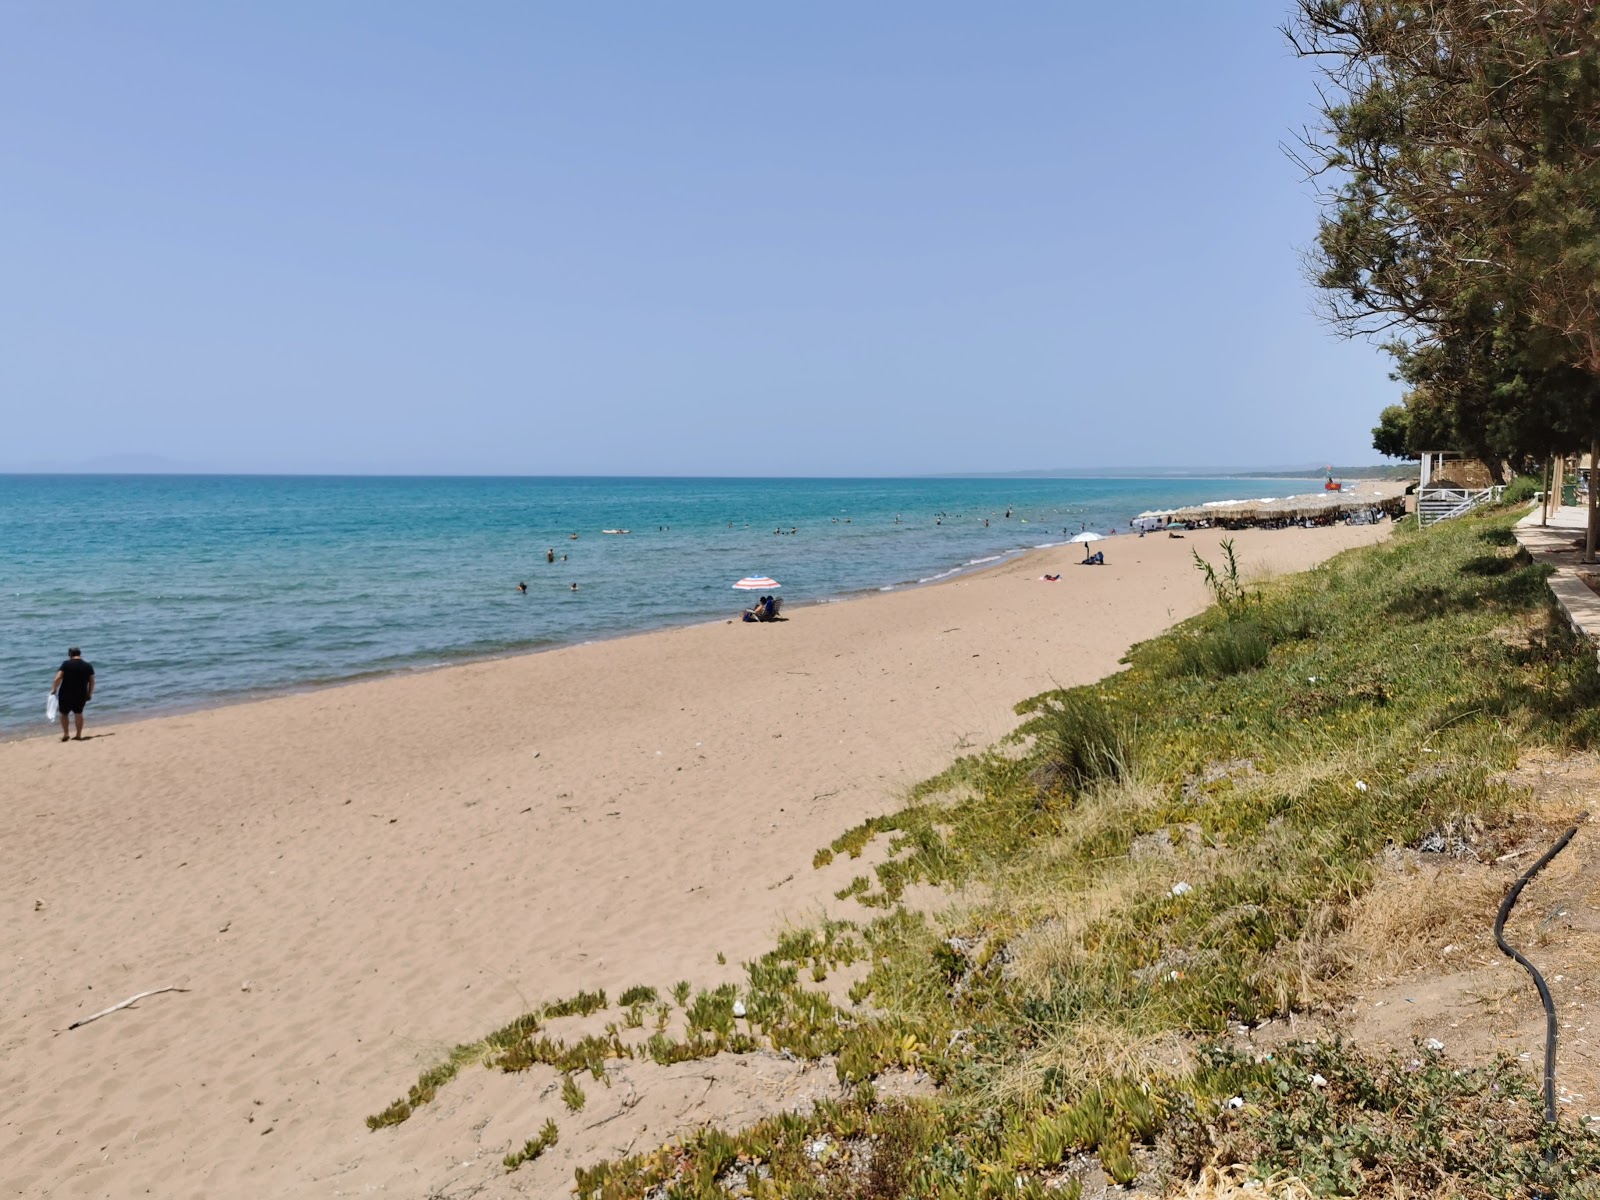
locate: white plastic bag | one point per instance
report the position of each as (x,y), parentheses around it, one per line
(51,707)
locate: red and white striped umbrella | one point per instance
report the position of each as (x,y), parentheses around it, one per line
(756,583)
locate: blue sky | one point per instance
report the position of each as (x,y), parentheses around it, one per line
(699,238)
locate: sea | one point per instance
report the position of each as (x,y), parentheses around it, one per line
(187,591)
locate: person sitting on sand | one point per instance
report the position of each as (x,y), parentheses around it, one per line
(764,609)
(73,687)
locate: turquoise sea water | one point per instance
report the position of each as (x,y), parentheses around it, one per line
(187,590)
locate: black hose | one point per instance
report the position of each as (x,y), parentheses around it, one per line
(1538,979)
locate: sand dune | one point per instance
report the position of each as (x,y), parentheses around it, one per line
(350,880)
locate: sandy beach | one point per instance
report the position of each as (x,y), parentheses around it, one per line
(348,881)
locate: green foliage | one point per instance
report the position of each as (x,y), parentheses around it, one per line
(712,1012)
(1463,216)
(1522,489)
(859,886)
(580,1005)
(571,1094)
(586,1054)
(534,1147)
(1392,435)
(1348,1123)
(1227,589)
(435,1077)
(1081,740)
(1228,648)
(1238,635)
(638,994)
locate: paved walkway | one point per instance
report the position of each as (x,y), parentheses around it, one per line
(1560,543)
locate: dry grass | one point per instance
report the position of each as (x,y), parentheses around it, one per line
(1073,1058)
(1238,1183)
(1408,918)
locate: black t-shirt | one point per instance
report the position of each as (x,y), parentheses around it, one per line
(75,676)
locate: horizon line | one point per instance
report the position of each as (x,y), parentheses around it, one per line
(1119,472)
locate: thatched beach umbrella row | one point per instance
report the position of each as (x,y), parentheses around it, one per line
(1319,508)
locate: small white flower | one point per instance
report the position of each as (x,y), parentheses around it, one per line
(1434,1044)
(1182,889)
(738,1008)
(1318,1081)
(1361,785)
(1236,1102)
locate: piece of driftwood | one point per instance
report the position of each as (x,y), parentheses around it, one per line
(105,1011)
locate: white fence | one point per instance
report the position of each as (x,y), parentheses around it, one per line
(1440,504)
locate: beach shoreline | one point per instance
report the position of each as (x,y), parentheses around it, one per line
(256,694)
(351,879)
(315,582)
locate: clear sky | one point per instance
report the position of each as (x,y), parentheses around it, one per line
(687,238)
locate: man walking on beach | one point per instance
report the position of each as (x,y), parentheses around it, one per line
(73,688)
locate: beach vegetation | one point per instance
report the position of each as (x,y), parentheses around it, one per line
(580,1005)
(534,1147)
(1147,864)
(856,887)
(636,995)
(571,1094)
(588,1053)
(681,991)
(1227,590)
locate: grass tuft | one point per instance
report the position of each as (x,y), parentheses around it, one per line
(638,994)
(534,1147)
(571,1094)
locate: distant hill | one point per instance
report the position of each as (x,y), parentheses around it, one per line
(1390,471)
(1393,471)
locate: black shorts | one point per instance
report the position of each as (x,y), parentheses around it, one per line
(71,704)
